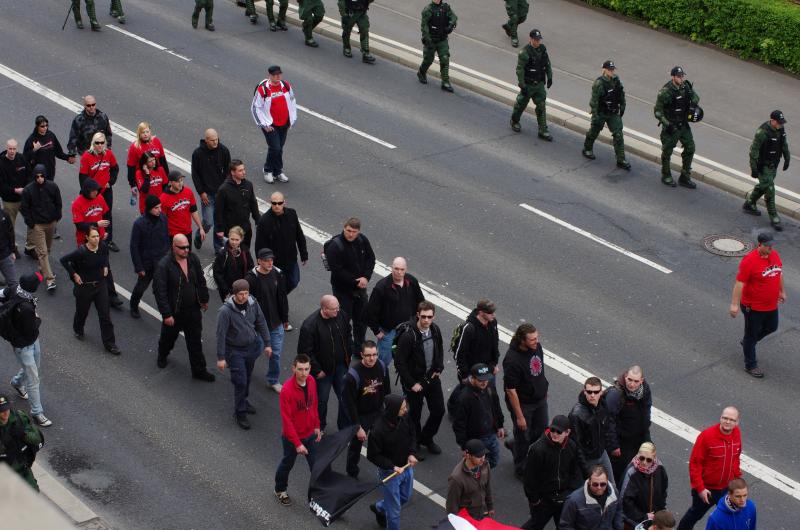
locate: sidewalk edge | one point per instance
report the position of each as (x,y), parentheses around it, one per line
(66,501)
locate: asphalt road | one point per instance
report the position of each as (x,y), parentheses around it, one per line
(153,449)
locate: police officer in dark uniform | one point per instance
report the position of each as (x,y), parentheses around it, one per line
(676,100)
(89,121)
(438,21)
(608,106)
(533,72)
(20,439)
(354,13)
(766,150)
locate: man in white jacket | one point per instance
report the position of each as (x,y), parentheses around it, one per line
(274,111)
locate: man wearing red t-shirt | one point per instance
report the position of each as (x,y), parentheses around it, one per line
(180,207)
(758,290)
(274,111)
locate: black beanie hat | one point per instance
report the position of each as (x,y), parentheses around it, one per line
(150,202)
(30,282)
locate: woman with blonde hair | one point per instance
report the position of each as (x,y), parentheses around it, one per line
(145,142)
(100,165)
(644,490)
(232,263)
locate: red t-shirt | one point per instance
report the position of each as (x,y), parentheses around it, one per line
(158,179)
(88,211)
(178,208)
(762,280)
(154,147)
(278,108)
(98,167)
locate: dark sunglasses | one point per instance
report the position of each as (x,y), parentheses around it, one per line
(598,484)
(277,203)
(592,392)
(645,459)
(90,105)
(556,430)
(187,247)
(426,317)
(99,143)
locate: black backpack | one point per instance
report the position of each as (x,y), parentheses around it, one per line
(7,329)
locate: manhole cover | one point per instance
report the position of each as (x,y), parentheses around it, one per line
(727,245)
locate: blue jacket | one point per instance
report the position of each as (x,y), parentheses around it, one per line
(724,518)
(149,242)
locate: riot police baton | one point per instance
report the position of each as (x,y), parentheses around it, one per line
(64,25)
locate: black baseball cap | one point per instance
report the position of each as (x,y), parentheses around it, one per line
(265,253)
(609,65)
(536,34)
(5,404)
(766,239)
(677,70)
(778,116)
(274,69)
(481,372)
(560,423)
(475,447)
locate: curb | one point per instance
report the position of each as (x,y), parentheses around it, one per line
(75,509)
(707,171)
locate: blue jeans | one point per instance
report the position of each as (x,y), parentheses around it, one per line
(275,141)
(493,448)
(289,457)
(324,384)
(396,493)
(9,272)
(207,213)
(276,340)
(385,347)
(30,358)
(241,363)
(292,275)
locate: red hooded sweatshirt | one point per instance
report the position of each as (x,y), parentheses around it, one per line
(715,459)
(299,415)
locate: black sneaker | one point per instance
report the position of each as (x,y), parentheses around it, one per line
(380,517)
(242,421)
(250,409)
(116,303)
(161,362)
(135,312)
(422,78)
(686,182)
(78,334)
(750,208)
(755,372)
(113,350)
(204,376)
(31,253)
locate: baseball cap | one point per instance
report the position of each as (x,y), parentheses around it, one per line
(766,239)
(677,70)
(778,116)
(274,69)
(560,423)
(265,253)
(536,34)
(475,447)
(609,65)
(174,176)
(5,404)
(481,372)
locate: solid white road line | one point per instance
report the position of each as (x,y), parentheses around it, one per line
(148,42)
(596,239)
(670,423)
(346,127)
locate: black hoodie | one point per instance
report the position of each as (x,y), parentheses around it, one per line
(478,344)
(41,203)
(391,439)
(592,430)
(210,168)
(49,149)
(13,174)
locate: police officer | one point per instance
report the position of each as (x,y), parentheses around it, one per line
(608,106)
(354,13)
(676,99)
(208,5)
(517,11)
(76,11)
(533,71)
(438,21)
(116,11)
(19,441)
(766,150)
(274,24)
(311,13)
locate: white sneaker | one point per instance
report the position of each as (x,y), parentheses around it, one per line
(282,177)
(268,178)
(42,420)
(287,326)
(20,390)
(277,387)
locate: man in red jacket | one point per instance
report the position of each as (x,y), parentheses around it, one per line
(300,432)
(713,464)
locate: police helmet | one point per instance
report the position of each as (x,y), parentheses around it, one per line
(695,113)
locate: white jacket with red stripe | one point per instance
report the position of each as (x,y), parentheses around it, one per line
(262,100)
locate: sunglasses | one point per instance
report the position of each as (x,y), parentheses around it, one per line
(556,430)
(592,392)
(99,143)
(90,105)
(645,459)
(187,247)
(598,484)
(426,317)
(277,203)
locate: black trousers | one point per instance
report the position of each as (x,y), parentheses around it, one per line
(757,325)
(536,420)
(354,449)
(432,393)
(699,509)
(142,283)
(96,293)
(353,303)
(108,195)
(542,512)
(190,321)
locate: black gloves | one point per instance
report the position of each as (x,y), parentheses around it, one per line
(450,29)
(754,173)
(621,112)
(549,82)
(785,164)
(426,41)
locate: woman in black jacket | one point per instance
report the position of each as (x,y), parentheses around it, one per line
(43,147)
(88,268)
(644,490)
(232,263)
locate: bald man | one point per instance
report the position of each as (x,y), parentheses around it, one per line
(713,464)
(13,178)
(210,162)
(325,338)
(181,294)
(393,301)
(279,230)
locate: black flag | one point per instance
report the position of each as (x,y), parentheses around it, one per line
(331,493)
